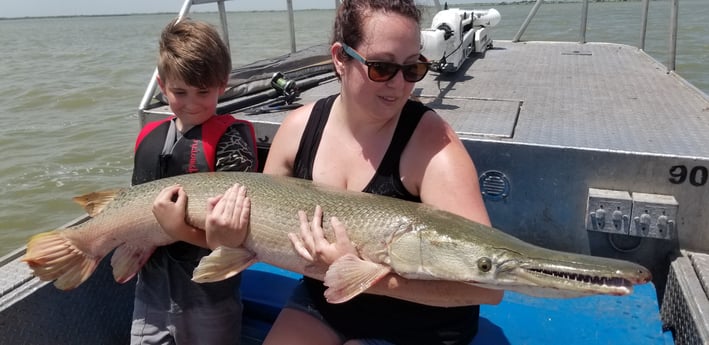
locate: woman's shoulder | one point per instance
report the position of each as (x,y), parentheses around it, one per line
(285,143)
(432,128)
(435,143)
(298,118)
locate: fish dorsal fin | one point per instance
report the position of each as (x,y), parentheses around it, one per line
(95,202)
(349,276)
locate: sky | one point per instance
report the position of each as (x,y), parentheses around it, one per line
(42,8)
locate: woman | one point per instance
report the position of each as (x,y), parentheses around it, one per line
(372,138)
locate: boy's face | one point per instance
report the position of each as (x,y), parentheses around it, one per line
(192,105)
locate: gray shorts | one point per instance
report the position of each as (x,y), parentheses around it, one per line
(219,323)
(300,300)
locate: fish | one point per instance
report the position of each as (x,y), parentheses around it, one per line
(413,240)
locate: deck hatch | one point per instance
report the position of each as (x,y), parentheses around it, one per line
(577,52)
(478,117)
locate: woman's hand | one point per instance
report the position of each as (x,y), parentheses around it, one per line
(311,243)
(228,218)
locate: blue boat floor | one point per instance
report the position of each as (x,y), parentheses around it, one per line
(519,319)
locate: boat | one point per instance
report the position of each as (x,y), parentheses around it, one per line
(587,147)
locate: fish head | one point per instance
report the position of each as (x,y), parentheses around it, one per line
(550,273)
(430,255)
(456,249)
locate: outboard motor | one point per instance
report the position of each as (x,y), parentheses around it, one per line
(455,34)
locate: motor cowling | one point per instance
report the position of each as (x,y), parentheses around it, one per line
(452,37)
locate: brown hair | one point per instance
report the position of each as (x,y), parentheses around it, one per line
(193,51)
(351,14)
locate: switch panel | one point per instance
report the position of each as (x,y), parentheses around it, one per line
(653,215)
(608,211)
(634,214)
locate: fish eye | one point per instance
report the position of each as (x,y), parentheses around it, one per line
(484,264)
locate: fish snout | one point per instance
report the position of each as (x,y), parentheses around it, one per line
(641,276)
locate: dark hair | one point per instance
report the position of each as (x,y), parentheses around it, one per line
(352,13)
(193,52)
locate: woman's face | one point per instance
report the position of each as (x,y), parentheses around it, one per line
(386,37)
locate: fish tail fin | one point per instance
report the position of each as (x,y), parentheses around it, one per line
(223,263)
(127,261)
(94,202)
(51,256)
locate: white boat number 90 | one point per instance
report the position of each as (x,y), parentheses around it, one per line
(696,176)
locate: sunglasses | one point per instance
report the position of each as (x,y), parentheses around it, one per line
(381,71)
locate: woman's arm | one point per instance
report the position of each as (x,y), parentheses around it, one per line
(447,179)
(285,143)
(439,293)
(436,166)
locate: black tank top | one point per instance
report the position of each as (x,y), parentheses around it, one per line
(372,316)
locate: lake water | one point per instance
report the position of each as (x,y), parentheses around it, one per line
(71,87)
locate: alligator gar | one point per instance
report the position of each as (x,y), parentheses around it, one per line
(413,240)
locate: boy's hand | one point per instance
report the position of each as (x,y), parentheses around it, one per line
(228,218)
(169,209)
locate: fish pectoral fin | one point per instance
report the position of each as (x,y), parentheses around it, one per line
(127,261)
(94,202)
(52,256)
(349,276)
(223,263)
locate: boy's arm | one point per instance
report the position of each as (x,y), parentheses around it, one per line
(233,153)
(223,226)
(169,209)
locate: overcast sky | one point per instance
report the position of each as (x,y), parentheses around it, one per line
(38,8)
(41,8)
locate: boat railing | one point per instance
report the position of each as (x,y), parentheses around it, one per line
(672,52)
(145,102)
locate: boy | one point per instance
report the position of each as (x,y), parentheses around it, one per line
(193,68)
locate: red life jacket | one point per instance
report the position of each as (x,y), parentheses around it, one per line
(158,155)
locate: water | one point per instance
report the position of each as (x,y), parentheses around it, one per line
(71,87)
